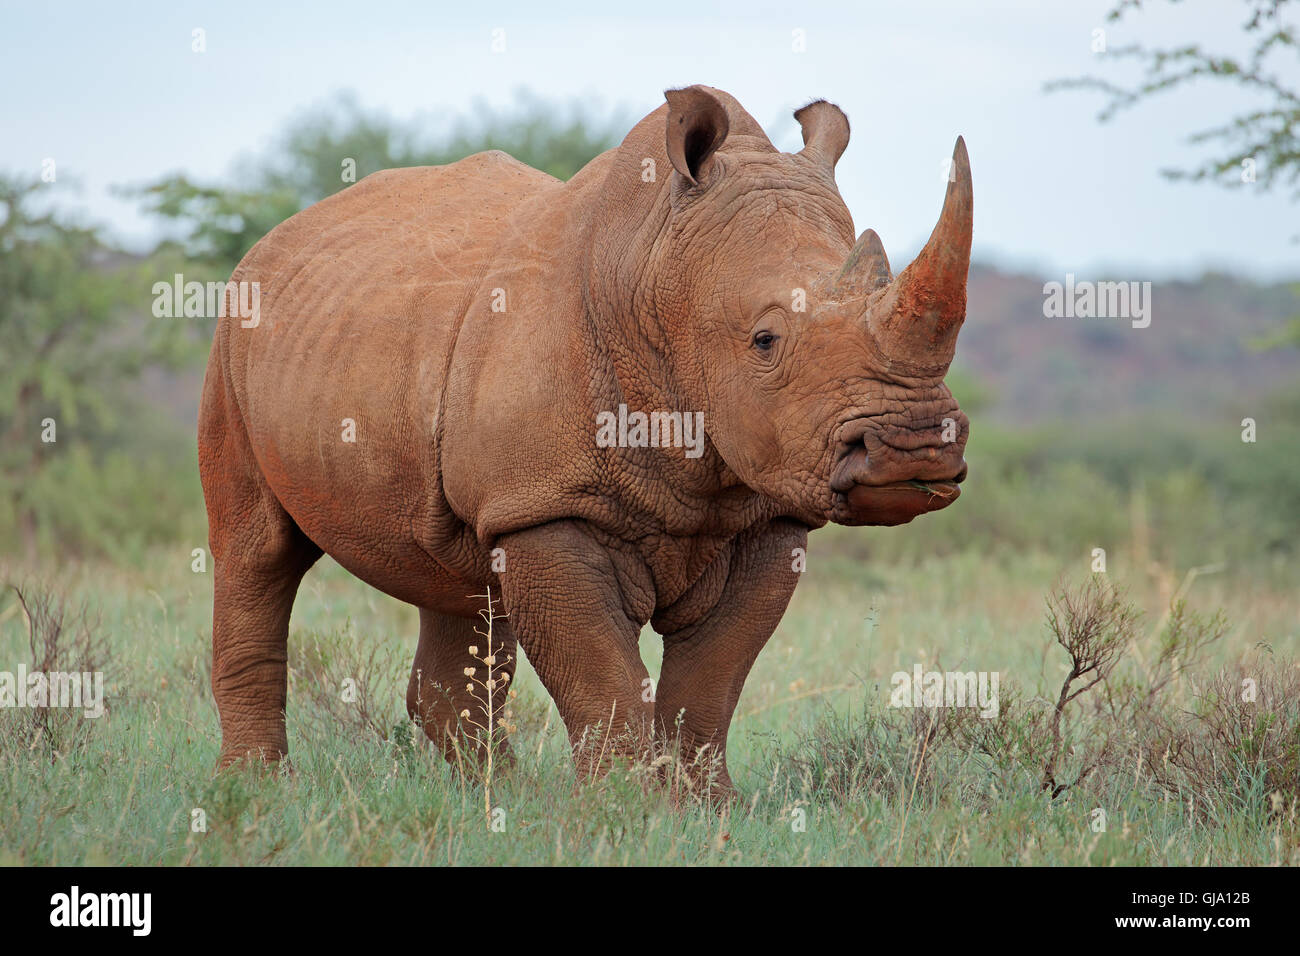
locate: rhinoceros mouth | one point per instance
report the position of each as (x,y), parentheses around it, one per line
(894,503)
(914,473)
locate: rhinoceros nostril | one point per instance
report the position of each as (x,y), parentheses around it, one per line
(961,475)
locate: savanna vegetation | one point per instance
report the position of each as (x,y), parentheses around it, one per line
(1147,713)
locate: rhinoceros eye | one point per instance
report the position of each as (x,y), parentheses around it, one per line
(763,341)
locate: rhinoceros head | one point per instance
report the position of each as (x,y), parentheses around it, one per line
(819,371)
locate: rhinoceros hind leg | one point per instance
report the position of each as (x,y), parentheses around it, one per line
(250,645)
(260,556)
(437,694)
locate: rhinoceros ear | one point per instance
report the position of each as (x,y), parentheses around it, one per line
(825,132)
(697,125)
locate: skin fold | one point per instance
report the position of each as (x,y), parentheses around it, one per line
(473,321)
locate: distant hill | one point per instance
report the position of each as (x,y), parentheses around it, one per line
(1195,357)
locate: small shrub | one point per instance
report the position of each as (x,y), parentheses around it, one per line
(1240,744)
(61,639)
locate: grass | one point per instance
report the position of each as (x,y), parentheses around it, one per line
(829,772)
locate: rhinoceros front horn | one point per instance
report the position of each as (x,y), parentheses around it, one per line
(917,319)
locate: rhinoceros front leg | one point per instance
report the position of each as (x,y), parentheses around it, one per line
(565,596)
(707,660)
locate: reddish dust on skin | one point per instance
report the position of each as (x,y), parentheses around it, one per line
(595,537)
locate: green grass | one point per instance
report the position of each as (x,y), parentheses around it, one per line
(814,740)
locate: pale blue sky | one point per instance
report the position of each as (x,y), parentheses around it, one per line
(115,95)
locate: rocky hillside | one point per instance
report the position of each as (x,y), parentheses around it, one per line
(1198,355)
